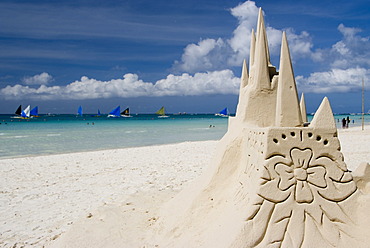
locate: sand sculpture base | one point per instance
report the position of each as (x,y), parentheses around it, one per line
(274,187)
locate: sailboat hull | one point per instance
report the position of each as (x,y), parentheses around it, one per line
(221,115)
(18,117)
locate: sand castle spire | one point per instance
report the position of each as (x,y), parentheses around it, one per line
(243,83)
(245,76)
(262,29)
(252,49)
(288,112)
(255,101)
(261,62)
(302,105)
(323,117)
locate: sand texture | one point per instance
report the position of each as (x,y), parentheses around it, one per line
(40,197)
(109,198)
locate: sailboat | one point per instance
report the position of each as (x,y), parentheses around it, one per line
(35,112)
(126,113)
(18,112)
(161,113)
(26,113)
(115,112)
(79,111)
(98,114)
(223,113)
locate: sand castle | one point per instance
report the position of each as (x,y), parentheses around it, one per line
(276,181)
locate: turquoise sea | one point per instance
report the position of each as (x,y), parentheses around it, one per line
(70,133)
(52,134)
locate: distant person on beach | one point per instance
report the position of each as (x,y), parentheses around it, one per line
(344,124)
(348,121)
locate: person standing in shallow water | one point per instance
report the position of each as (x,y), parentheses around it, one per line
(344,124)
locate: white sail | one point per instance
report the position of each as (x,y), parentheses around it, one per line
(26,113)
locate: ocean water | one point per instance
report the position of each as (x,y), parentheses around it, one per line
(69,133)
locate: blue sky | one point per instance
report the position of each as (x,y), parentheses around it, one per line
(186,55)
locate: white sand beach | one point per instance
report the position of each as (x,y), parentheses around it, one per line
(43,197)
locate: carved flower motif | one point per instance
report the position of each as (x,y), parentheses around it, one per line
(305,176)
(300,175)
(300,186)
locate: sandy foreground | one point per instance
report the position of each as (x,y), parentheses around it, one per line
(43,197)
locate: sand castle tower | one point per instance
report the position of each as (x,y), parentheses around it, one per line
(276,181)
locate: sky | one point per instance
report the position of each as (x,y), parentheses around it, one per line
(184,55)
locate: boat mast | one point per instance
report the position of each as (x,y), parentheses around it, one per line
(363,104)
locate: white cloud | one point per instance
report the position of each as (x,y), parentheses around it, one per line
(352,50)
(218,82)
(301,45)
(247,14)
(40,79)
(86,88)
(334,80)
(348,32)
(348,62)
(219,54)
(341,48)
(25,92)
(204,56)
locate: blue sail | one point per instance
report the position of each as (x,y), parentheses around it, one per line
(99,112)
(115,112)
(23,114)
(35,111)
(79,111)
(223,112)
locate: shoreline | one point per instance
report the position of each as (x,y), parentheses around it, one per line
(353,127)
(96,150)
(42,196)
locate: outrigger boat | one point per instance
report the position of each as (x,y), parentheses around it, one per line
(126,113)
(35,112)
(161,113)
(223,113)
(115,113)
